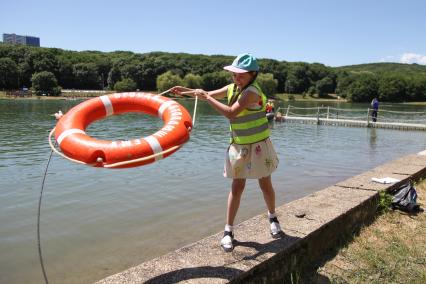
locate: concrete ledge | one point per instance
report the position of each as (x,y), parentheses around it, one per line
(312,225)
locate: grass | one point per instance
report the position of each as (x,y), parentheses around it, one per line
(391,250)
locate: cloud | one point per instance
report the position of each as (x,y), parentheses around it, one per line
(413,58)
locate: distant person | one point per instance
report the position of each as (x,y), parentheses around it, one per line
(375,106)
(270,107)
(270,110)
(250,154)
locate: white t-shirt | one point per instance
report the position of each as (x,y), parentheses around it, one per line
(252,89)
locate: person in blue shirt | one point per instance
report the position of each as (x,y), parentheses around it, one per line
(375,106)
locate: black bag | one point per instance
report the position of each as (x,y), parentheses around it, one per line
(405,198)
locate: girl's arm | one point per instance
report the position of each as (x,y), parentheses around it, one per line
(218,94)
(229,112)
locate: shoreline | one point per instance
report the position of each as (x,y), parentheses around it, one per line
(84,95)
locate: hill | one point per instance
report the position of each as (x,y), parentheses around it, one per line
(385,68)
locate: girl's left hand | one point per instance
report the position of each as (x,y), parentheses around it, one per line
(200,93)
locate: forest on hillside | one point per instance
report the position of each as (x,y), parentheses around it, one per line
(50,69)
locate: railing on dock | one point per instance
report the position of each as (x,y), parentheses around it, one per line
(405,120)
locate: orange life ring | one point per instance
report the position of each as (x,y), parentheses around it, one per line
(76,144)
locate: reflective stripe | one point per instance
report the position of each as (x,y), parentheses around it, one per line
(249,131)
(248,117)
(67,133)
(155,146)
(163,107)
(108,105)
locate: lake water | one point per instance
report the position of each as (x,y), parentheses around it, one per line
(96,222)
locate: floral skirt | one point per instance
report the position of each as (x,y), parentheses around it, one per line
(250,161)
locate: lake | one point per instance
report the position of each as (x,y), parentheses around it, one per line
(96,222)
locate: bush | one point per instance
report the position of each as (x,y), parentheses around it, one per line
(192,81)
(125,85)
(167,80)
(385,201)
(45,83)
(267,83)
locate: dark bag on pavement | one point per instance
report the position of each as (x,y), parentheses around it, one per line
(405,198)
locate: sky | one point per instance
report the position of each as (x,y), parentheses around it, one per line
(331,32)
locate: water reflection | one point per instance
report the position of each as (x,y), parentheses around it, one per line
(373,138)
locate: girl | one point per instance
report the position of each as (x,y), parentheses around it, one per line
(250,154)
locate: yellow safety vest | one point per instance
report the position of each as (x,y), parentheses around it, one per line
(249,126)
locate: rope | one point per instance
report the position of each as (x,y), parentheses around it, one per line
(303,107)
(350,110)
(38,219)
(297,114)
(195,112)
(406,112)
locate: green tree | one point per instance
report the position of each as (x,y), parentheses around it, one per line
(114,76)
(364,88)
(192,81)
(167,80)
(44,60)
(45,83)
(416,88)
(392,87)
(216,80)
(86,76)
(66,77)
(297,80)
(125,85)
(8,74)
(324,86)
(267,83)
(344,80)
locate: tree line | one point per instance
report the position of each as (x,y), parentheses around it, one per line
(50,69)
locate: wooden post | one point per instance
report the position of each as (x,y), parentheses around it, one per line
(288,109)
(328,111)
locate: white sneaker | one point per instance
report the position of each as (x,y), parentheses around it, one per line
(276,231)
(227,241)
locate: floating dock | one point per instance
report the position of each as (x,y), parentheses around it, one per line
(355,118)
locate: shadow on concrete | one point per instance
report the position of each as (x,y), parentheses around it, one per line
(274,246)
(222,272)
(195,272)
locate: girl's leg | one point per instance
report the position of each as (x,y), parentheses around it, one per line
(233,205)
(269,196)
(234,199)
(268,193)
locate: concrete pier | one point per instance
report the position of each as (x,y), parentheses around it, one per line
(312,225)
